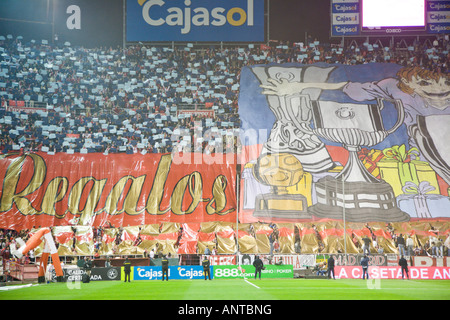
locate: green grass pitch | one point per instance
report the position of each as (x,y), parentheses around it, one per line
(237,289)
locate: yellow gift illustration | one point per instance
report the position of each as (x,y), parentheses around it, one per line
(400,166)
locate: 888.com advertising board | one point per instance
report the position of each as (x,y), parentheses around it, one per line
(217,272)
(248,271)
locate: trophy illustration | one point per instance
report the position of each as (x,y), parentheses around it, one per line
(285,136)
(354,191)
(279,171)
(427,132)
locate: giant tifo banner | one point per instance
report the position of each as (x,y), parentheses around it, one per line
(44,190)
(359,143)
(195,20)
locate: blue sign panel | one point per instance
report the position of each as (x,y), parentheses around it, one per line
(345,30)
(345,7)
(195,20)
(175,273)
(438,16)
(439,28)
(345,18)
(438,5)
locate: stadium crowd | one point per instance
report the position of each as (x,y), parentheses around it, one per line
(154,99)
(158,99)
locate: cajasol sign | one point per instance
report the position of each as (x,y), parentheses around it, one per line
(174,272)
(195,20)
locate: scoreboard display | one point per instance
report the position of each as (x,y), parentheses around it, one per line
(389,17)
(383,14)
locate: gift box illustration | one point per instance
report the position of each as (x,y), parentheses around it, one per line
(418,201)
(370,159)
(400,166)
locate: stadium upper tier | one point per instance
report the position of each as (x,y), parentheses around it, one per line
(147,98)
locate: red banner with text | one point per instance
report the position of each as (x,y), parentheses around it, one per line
(40,190)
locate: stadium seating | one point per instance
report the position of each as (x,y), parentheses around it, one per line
(132,100)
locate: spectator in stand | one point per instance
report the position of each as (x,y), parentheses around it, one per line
(5,254)
(418,251)
(433,249)
(151,256)
(410,245)
(439,248)
(401,245)
(380,249)
(447,245)
(366,245)
(320,269)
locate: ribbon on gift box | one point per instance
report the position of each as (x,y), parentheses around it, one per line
(400,154)
(406,169)
(370,158)
(419,196)
(421,189)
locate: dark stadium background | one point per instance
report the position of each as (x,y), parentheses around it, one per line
(289,20)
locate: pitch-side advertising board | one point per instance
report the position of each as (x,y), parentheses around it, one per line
(175,273)
(394,272)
